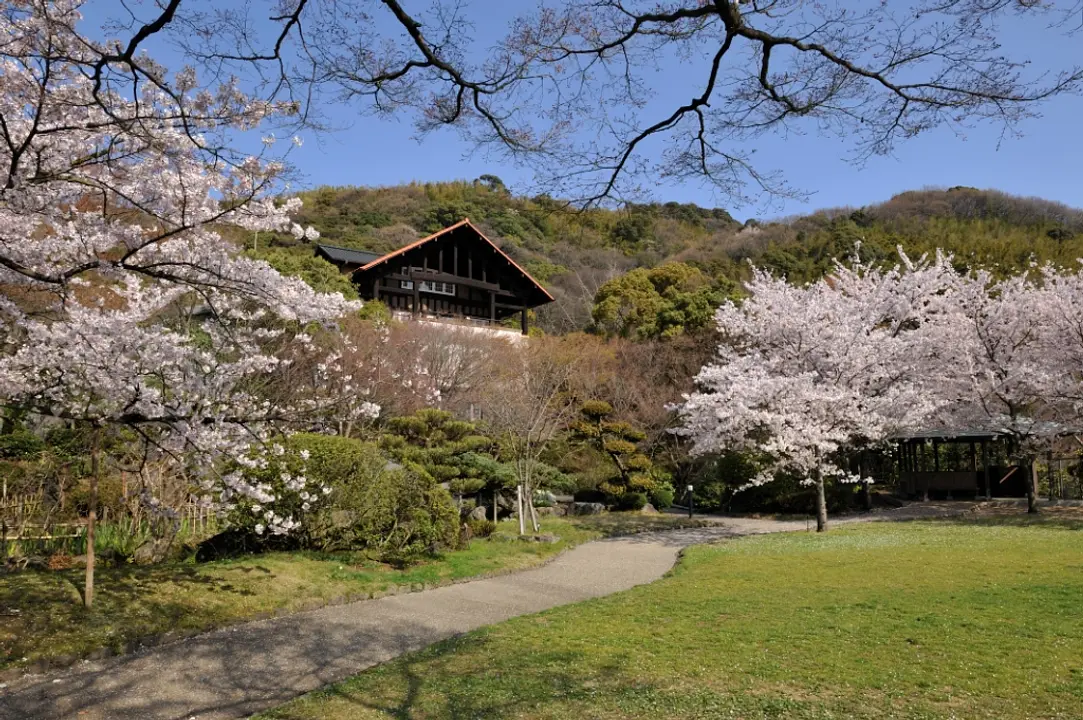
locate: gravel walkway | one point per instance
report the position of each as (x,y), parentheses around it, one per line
(240,670)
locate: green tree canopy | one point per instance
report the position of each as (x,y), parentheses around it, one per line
(659,302)
(448,450)
(300,262)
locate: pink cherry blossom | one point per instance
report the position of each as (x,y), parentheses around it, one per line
(124,304)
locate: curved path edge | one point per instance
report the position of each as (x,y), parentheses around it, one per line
(239,670)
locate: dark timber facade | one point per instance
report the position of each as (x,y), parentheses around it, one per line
(454,273)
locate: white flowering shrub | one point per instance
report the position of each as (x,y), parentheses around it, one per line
(269,492)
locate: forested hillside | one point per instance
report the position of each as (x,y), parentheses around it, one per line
(658,269)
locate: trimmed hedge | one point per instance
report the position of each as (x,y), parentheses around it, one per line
(374,505)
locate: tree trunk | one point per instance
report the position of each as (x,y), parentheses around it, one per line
(533,515)
(866,495)
(1032,489)
(92,518)
(519,506)
(821,504)
(528,497)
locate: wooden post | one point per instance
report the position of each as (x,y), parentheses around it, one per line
(417,293)
(533,515)
(522,321)
(985,467)
(92,517)
(492,307)
(4,524)
(925,485)
(866,491)
(1049,475)
(974,469)
(936,455)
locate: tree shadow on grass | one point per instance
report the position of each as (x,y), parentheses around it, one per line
(41,611)
(432,687)
(620,524)
(1047,518)
(237,672)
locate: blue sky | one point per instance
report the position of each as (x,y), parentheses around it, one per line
(1047,161)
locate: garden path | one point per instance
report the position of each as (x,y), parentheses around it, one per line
(239,670)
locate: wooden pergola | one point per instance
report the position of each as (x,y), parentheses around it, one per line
(923,469)
(914,451)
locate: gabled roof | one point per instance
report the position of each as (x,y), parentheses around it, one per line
(346,255)
(462,223)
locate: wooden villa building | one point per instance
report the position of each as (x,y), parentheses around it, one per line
(454,273)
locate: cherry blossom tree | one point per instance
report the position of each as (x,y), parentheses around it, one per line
(1013,363)
(1060,300)
(805,373)
(122,304)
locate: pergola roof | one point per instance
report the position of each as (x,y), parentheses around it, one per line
(998,427)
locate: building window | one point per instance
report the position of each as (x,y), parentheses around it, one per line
(443,288)
(431,286)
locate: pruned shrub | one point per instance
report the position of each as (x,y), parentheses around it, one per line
(631,501)
(481,528)
(389,510)
(662,496)
(590,496)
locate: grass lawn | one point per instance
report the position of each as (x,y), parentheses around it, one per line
(964,619)
(41,615)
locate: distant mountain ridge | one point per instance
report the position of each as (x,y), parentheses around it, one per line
(574,253)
